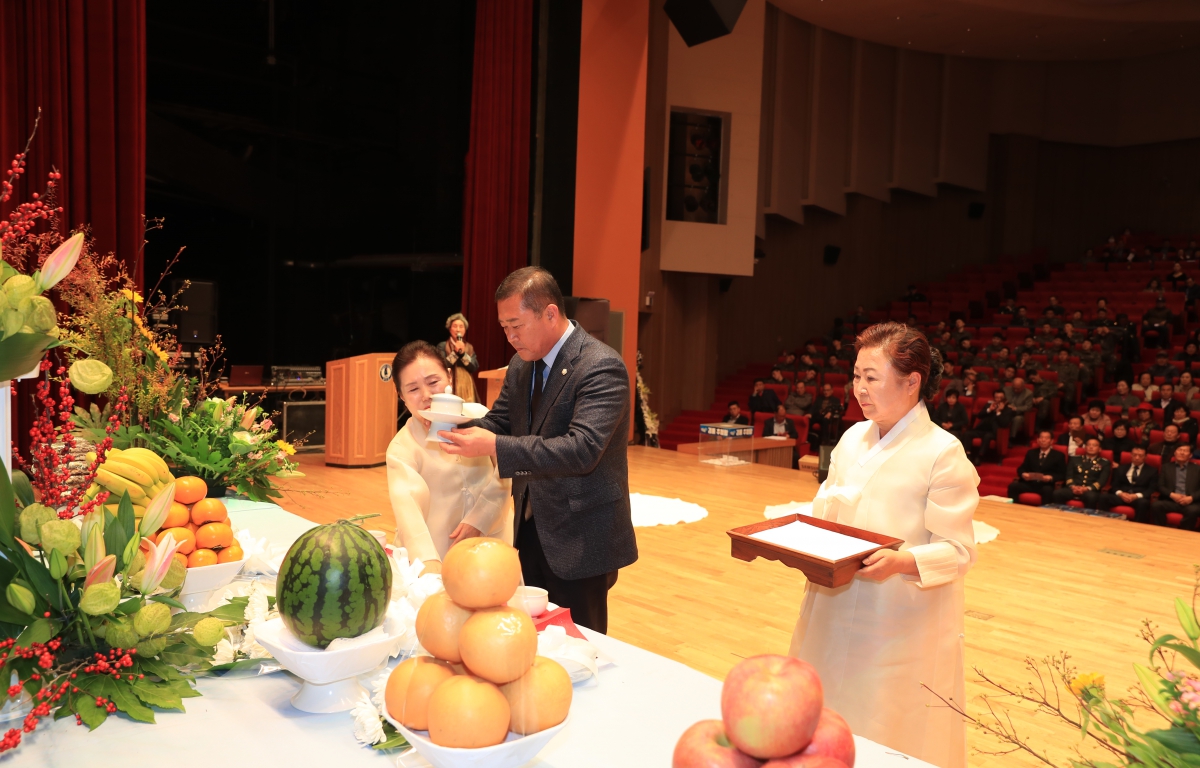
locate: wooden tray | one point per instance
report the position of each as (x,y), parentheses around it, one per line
(827,573)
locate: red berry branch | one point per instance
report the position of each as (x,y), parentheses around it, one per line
(21,220)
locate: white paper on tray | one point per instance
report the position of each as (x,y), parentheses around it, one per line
(812,540)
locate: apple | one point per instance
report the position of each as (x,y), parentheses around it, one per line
(805,761)
(704,746)
(832,738)
(771,705)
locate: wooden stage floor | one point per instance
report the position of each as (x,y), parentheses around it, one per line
(1052,581)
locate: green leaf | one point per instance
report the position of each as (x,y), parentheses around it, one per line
(182,689)
(394,740)
(1187,619)
(157,695)
(20,352)
(40,631)
(1152,685)
(115,539)
(8,511)
(23,488)
(39,578)
(234,610)
(126,701)
(233,666)
(1186,651)
(169,601)
(185,620)
(93,716)
(1178,739)
(132,605)
(126,518)
(158,668)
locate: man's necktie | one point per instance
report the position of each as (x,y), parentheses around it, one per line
(538,368)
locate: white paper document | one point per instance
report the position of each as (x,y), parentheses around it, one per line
(812,540)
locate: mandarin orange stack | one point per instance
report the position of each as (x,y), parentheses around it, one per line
(201,524)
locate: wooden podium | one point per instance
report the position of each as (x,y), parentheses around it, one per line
(495,383)
(360,410)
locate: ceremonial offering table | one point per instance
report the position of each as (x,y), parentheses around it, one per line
(630,716)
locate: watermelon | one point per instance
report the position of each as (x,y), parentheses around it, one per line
(335,581)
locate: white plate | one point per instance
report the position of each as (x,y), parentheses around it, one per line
(444,418)
(514,752)
(199,583)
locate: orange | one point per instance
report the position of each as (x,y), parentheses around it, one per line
(214,536)
(177,516)
(181,558)
(481,572)
(189,490)
(438,623)
(209,511)
(231,554)
(201,558)
(540,698)
(467,712)
(183,535)
(192,526)
(409,686)
(498,644)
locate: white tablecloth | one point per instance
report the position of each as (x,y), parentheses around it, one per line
(629,717)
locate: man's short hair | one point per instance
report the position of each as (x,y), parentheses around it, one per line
(1095,440)
(537,288)
(1141,448)
(734,402)
(1076,416)
(952,391)
(760,381)
(1096,404)
(1045,432)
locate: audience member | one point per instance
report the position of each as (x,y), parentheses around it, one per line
(1055,308)
(799,400)
(1144,422)
(1162,368)
(782,426)
(860,319)
(988,423)
(951,415)
(1165,448)
(1177,414)
(734,415)
(913,295)
(1123,397)
(1022,320)
(1096,418)
(1132,486)
(1042,468)
(1086,475)
(841,351)
(1074,436)
(1189,356)
(1068,379)
(966,353)
(1043,397)
(1072,334)
(1146,387)
(1156,325)
(1102,319)
(1045,336)
(1165,397)
(1154,286)
(1020,399)
(826,419)
(1120,443)
(763,399)
(1178,486)
(1176,276)
(997,344)
(1187,389)
(777,376)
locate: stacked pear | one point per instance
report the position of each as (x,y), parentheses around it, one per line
(140,472)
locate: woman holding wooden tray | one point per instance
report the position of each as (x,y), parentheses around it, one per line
(899,623)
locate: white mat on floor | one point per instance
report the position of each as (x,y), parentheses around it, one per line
(983,532)
(659,510)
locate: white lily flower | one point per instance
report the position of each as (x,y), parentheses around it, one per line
(60,263)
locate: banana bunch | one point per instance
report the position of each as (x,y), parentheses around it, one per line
(139,471)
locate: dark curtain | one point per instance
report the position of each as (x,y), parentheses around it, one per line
(83,62)
(496,194)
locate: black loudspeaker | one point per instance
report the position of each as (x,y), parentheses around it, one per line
(975,210)
(831,254)
(198,323)
(699,21)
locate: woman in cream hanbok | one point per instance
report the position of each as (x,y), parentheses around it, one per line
(438,499)
(899,624)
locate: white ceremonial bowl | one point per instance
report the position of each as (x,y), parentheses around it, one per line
(451,404)
(200,583)
(330,677)
(516,750)
(532,600)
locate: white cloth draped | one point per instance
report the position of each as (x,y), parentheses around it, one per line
(874,643)
(432,492)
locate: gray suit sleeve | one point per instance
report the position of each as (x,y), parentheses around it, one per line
(600,403)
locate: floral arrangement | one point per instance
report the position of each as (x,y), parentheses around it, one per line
(1168,692)
(226,442)
(649,417)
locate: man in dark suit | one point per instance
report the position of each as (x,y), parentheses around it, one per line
(1132,486)
(559,429)
(1178,487)
(1042,468)
(782,426)
(763,400)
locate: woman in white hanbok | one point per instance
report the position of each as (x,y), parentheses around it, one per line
(899,624)
(438,499)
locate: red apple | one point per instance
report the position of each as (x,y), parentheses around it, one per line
(704,746)
(771,705)
(805,761)
(832,738)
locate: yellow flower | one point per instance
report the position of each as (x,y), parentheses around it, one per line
(1087,680)
(286,447)
(132,295)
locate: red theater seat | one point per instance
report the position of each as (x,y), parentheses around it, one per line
(1031,499)
(1127,511)
(1075,503)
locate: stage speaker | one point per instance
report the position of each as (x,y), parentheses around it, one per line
(699,21)
(305,419)
(824,460)
(198,323)
(831,254)
(975,210)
